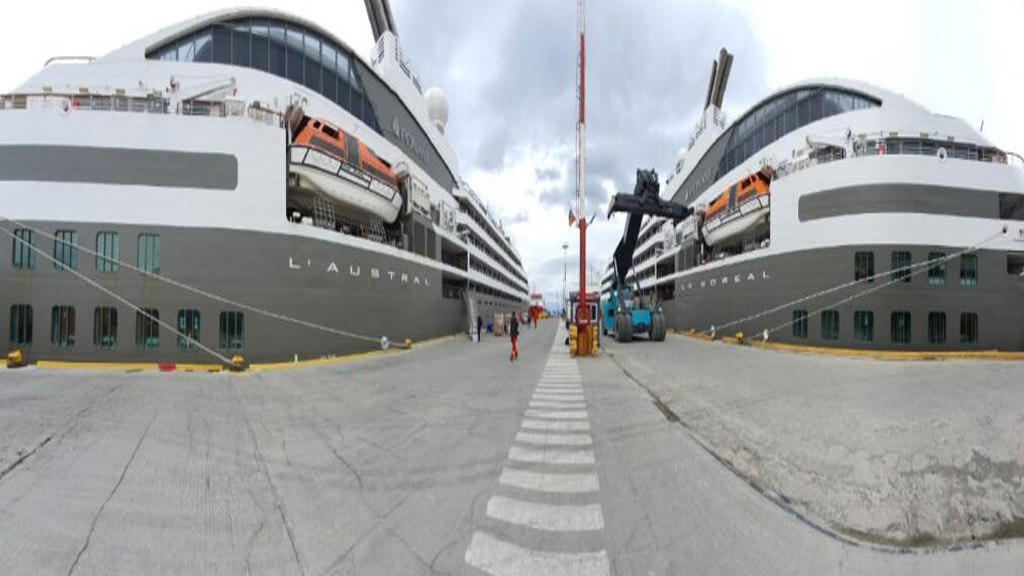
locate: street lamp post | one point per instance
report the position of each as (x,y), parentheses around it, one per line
(565,276)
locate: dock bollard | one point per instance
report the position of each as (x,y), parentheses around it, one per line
(15,359)
(739,338)
(237,364)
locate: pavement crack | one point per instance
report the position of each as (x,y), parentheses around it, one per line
(24,456)
(113,492)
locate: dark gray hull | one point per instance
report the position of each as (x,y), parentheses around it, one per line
(714,298)
(357,290)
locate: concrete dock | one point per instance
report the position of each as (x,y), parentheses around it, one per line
(446,459)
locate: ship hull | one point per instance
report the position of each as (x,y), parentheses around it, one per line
(368,292)
(723,296)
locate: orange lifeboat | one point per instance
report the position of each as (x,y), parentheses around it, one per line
(336,164)
(738,209)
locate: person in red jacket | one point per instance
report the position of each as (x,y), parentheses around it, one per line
(513,332)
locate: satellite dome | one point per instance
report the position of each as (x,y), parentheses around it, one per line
(679,159)
(437,107)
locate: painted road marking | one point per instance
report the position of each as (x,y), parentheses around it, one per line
(557,405)
(541,395)
(549,517)
(555,426)
(504,559)
(555,439)
(557,414)
(569,483)
(554,457)
(559,390)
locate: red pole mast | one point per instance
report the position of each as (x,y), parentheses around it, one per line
(583,313)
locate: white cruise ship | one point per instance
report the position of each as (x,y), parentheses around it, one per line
(242,183)
(837,213)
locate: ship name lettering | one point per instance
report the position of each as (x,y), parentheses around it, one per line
(354,270)
(375,273)
(332,267)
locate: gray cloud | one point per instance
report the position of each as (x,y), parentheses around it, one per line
(509,71)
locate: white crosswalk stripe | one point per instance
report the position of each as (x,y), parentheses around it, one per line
(554,433)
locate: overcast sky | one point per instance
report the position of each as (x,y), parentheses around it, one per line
(508,70)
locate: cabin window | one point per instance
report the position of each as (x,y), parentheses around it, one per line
(295,60)
(232,330)
(1011,206)
(899,329)
(260,45)
(863,326)
(65,250)
(147,328)
(830,325)
(936,327)
(221,44)
(24,255)
(108,252)
(188,328)
(968,328)
(149,253)
(21,324)
(240,43)
(937,268)
(864,266)
(329,66)
(104,327)
(62,326)
(311,49)
(276,64)
(901,266)
(969,270)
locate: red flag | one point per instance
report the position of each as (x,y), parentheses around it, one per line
(572,218)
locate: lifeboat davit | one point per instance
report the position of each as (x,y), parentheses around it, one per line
(336,164)
(739,208)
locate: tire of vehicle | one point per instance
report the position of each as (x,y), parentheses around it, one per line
(658,327)
(627,328)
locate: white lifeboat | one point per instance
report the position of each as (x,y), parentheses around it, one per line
(739,208)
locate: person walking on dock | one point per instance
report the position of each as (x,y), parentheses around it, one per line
(513,332)
(479,326)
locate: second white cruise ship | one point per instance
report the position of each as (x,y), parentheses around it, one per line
(837,213)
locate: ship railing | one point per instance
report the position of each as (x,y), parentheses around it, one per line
(151,104)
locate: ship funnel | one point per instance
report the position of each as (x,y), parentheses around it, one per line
(719,79)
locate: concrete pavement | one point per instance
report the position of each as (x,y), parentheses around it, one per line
(447,459)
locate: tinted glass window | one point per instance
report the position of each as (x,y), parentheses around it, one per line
(21,324)
(311,49)
(240,43)
(23,255)
(204,46)
(328,57)
(104,328)
(276,55)
(968,270)
(344,81)
(830,325)
(816,103)
(901,262)
(864,266)
(294,54)
(863,326)
(186,49)
(62,326)
(936,327)
(259,58)
(1011,206)
(900,327)
(221,44)
(800,323)
(968,328)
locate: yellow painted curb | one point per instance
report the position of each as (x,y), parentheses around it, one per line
(870,354)
(126,366)
(276,366)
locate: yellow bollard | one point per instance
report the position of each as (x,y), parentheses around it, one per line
(15,359)
(237,364)
(573,342)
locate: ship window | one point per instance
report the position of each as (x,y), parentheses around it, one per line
(830,325)
(221,44)
(204,46)
(328,59)
(968,328)
(260,49)
(62,326)
(149,253)
(104,327)
(790,118)
(899,330)
(1011,206)
(1015,263)
(23,255)
(864,266)
(21,324)
(803,111)
(344,81)
(816,103)
(108,249)
(969,270)
(312,61)
(295,61)
(147,328)
(937,268)
(65,250)
(186,49)
(863,325)
(277,56)
(232,330)
(901,266)
(936,327)
(188,328)
(356,97)
(240,40)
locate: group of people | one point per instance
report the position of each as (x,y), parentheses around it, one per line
(513,331)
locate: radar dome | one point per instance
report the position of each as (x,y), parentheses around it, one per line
(437,107)
(679,159)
